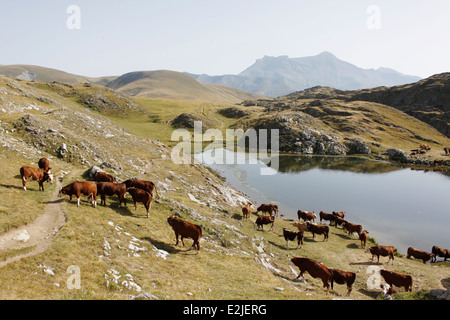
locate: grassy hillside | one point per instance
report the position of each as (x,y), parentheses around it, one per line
(120,252)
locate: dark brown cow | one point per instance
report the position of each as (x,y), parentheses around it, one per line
(314,268)
(326,216)
(419,254)
(141,196)
(44,163)
(306,215)
(268,208)
(439,252)
(338,221)
(186,229)
(146,185)
(77,188)
(246,211)
(110,189)
(29,173)
(397,279)
(316,229)
(363,236)
(447,151)
(262,220)
(101,176)
(291,235)
(339,214)
(343,277)
(382,251)
(351,228)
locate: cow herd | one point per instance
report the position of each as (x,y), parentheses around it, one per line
(141,191)
(329,276)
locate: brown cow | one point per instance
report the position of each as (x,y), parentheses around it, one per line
(306,215)
(291,235)
(425,147)
(77,188)
(339,214)
(419,254)
(351,228)
(148,186)
(397,279)
(141,196)
(110,189)
(301,226)
(268,208)
(439,252)
(338,221)
(316,229)
(314,268)
(326,216)
(101,176)
(447,151)
(185,229)
(382,251)
(363,236)
(246,211)
(44,163)
(262,220)
(29,173)
(343,277)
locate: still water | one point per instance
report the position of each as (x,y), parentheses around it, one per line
(397,205)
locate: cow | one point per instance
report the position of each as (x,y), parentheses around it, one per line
(343,277)
(141,196)
(186,229)
(110,189)
(397,279)
(101,176)
(382,251)
(268,208)
(326,216)
(246,211)
(30,173)
(447,151)
(439,252)
(425,147)
(338,221)
(77,188)
(339,214)
(262,220)
(148,186)
(306,215)
(291,235)
(301,226)
(314,268)
(316,229)
(44,163)
(419,254)
(363,236)
(351,228)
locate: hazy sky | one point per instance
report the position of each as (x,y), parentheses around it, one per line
(223,36)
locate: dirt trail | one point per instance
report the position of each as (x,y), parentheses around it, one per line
(37,235)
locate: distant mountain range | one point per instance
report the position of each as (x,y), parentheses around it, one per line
(277,76)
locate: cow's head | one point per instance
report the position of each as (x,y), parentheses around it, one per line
(48,176)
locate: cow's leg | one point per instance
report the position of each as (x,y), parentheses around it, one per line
(176,236)
(78,201)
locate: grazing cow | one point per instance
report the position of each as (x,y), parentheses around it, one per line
(326,216)
(262,220)
(306,215)
(291,235)
(425,147)
(382,251)
(301,226)
(148,186)
(316,229)
(351,228)
(397,279)
(29,173)
(363,236)
(186,229)
(439,252)
(268,208)
(101,176)
(314,268)
(343,277)
(419,254)
(246,211)
(447,151)
(44,163)
(339,214)
(110,189)
(141,196)
(338,221)
(77,188)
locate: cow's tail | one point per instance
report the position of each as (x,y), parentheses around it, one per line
(156,190)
